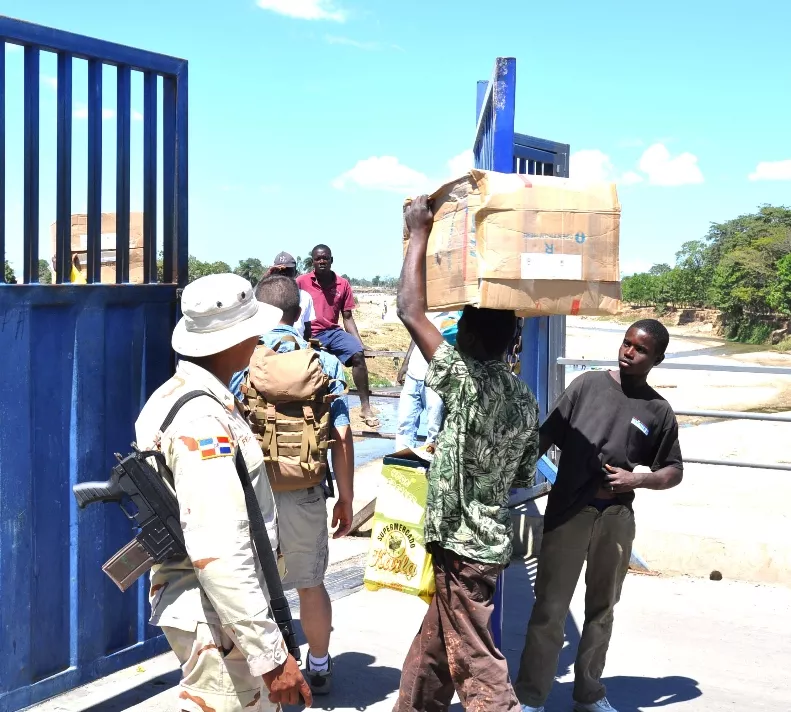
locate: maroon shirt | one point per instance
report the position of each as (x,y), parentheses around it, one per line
(328,302)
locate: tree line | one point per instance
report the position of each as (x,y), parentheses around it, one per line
(742,267)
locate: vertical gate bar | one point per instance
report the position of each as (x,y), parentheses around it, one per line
(123,169)
(150,178)
(63,200)
(31,159)
(168,179)
(2,161)
(94,227)
(503,113)
(182,184)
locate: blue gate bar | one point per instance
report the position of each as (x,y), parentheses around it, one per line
(94,226)
(2,162)
(169,185)
(123,169)
(63,189)
(182,178)
(150,178)
(31,145)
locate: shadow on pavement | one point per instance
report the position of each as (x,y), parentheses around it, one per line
(358,683)
(628,694)
(137,695)
(633,694)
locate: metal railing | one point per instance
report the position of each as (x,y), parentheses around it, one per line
(711,414)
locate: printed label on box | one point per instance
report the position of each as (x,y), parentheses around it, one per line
(539,265)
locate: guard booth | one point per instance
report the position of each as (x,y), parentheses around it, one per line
(497,147)
(80,360)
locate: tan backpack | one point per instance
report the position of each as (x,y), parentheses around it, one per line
(287,401)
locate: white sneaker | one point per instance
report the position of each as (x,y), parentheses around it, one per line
(528,708)
(601,706)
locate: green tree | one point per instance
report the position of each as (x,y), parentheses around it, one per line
(779,297)
(197,269)
(251,269)
(376,281)
(10,277)
(44,272)
(306,265)
(659,270)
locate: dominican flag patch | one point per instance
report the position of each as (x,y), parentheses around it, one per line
(214,447)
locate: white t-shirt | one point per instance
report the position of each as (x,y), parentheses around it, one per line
(306,311)
(418,368)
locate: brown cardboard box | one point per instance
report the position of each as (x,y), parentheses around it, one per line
(535,244)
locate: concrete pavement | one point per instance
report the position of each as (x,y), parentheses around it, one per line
(680,644)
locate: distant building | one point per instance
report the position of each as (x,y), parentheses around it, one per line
(79,245)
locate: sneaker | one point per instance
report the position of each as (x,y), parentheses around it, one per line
(528,708)
(320,681)
(601,706)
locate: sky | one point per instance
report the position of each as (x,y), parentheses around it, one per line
(311,120)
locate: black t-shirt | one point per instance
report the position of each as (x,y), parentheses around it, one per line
(594,424)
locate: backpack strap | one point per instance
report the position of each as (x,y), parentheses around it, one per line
(287,338)
(182,401)
(310,447)
(269,438)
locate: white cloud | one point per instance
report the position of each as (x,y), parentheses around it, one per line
(383,173)
(136,115)
(590,166)
(630,178)
(662,169)
(459,165)
(305,9)
(772,170)
(51,82)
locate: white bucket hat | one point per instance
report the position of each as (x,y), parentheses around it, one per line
(220,311)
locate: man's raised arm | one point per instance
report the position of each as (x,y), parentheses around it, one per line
(411,301)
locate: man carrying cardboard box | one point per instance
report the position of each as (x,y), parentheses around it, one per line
(489,444)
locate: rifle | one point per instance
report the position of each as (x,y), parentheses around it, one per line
(157,516)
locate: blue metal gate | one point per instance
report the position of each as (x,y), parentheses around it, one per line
(79,362)
(498,147)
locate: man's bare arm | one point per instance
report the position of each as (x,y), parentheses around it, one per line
(351,325)
(411,300)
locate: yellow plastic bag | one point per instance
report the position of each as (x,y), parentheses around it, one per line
(397,557)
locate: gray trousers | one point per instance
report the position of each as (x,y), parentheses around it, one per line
(605,540)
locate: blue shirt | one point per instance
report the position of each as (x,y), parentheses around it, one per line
(339,409)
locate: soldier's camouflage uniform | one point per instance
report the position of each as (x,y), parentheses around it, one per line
(213,607)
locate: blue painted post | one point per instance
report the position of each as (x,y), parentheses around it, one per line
(493,150)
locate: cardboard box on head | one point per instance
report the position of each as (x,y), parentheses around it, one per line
(535,244)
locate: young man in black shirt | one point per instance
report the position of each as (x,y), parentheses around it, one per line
(605,424)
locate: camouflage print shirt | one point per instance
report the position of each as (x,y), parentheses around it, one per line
(488,444)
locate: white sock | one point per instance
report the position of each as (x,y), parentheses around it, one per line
(319,664)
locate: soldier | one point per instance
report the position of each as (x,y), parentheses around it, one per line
(213,606)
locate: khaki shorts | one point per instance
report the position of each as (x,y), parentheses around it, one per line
(302,529)
(215,675)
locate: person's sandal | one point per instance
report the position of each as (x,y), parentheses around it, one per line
(320,681)
(371,421)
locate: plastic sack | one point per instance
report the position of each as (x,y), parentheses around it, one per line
(397,557)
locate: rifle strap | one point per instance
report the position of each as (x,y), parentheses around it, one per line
(263,547)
